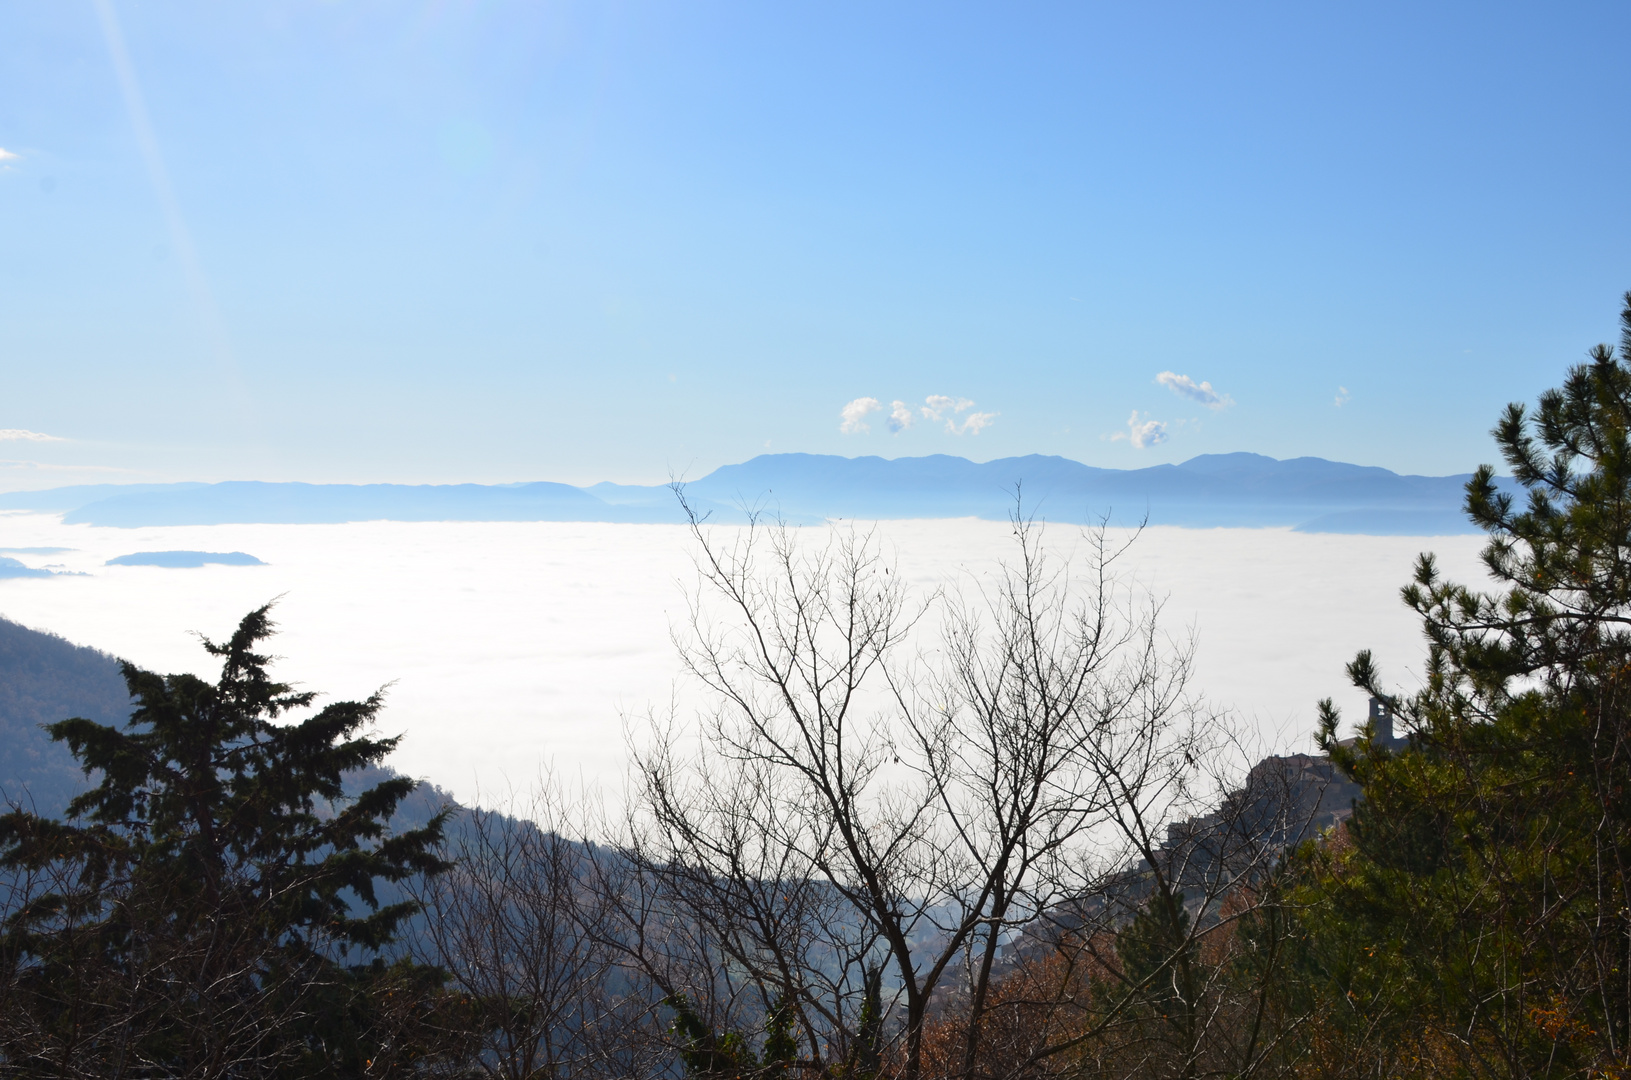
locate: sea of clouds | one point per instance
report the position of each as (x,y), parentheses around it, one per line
(512,648)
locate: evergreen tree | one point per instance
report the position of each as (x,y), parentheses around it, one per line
(781,1050)
(1160,983)
(210,907)
(705,1053)
(868,1055)
(1477,919)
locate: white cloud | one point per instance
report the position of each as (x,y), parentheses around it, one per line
(900,416)
(973,424)
(1342,396)
(1184,386)
(20,435)
(938,405)
(855,413)
(1142,434)
(941,407)
(7,155)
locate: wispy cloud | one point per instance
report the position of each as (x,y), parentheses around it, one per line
(855,413)
(180,237)
(973,423)
(1342,396)
(1184,386)
(7,155)
(1142,433)
(941,407)
(23,469)
(938,406)
(22,435)
(900,416)
(46,466)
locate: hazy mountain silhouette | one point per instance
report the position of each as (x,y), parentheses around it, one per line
(1211,490)
(185,560)
(238,502)
(13,568)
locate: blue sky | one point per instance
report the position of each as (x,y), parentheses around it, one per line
(356,240)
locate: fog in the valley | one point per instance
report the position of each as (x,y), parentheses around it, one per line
(511,648)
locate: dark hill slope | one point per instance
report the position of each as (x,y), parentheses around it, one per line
(44,678)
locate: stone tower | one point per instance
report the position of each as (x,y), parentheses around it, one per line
(1381,721)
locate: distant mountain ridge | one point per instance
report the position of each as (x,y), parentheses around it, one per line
(1242,489)
(1213,489)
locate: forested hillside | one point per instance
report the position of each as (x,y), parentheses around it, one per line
(43,679)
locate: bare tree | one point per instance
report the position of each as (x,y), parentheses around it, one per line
(530,927)
(857,815)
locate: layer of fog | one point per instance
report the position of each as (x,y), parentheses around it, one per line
(511,648)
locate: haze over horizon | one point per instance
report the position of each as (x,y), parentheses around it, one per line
(514,647)
(423,242)
(51,478)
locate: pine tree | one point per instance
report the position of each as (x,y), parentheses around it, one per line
(211,907)
(1482,912)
